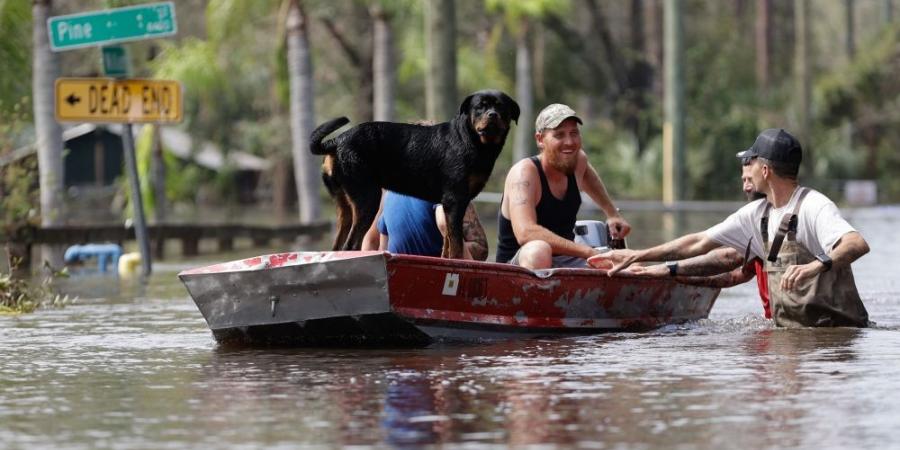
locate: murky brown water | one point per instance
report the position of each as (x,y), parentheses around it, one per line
(132,367)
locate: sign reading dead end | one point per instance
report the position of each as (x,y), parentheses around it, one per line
(99,100)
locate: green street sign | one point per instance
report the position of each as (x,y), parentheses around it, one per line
(115,61)
(112,25)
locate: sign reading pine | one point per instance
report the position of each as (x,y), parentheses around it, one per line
(108,26)
(103,100)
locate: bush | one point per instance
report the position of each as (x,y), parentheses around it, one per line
(19,296)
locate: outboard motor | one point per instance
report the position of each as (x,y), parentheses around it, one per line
(594,233)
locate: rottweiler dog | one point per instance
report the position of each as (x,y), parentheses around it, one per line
(447,163)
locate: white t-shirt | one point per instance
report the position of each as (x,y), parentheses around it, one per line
(819,225)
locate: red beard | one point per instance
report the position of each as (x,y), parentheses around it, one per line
(561,163)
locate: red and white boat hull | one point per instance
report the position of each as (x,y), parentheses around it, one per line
(352,298)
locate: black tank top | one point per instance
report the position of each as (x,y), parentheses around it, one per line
(553,214)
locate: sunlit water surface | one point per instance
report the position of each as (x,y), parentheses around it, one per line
(134,367)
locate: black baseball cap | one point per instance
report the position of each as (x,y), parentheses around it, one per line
(775,144)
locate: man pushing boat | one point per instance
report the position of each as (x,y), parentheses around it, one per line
(806,246)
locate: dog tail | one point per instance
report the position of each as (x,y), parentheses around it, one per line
(315,139)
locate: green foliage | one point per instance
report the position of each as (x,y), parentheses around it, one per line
(182,179)
(18,296)
(722,106)
(863,95)
(870,81)
(516,11)
(15,52)
(143,153)
(626,174)
(19,194)
(236,83)
(211,98)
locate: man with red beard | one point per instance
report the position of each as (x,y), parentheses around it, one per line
(542,195)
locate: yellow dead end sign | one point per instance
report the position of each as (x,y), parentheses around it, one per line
(118,100)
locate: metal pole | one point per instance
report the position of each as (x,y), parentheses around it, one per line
(140,225)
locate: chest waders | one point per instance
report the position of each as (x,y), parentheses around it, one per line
(829,299)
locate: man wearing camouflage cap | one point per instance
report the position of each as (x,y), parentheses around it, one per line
(542,195)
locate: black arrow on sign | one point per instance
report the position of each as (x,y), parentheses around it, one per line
(72,99)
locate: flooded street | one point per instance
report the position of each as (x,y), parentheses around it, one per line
(132,367)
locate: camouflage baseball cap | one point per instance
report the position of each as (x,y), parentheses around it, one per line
(553,115)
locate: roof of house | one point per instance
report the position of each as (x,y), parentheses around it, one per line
(178,142)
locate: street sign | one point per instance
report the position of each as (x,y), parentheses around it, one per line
(115,61)
(112,25)
(100,100)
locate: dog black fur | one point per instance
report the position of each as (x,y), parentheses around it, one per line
(447,163)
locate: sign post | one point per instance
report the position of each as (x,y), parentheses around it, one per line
(100,100)
(109,26)
(137,202)
(118,100)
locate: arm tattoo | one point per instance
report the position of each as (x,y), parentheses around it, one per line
(671,252)
(714,262)
(520,192)
(473,235)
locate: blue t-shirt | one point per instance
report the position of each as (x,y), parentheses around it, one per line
(410,226)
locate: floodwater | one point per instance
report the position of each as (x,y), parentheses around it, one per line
(135,367)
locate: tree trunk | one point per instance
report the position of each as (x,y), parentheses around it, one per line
(640,77)
(383,66)
(362,23)
(158,175)
(281,187)
(802,81)
(540,50)
(850,36)
(302,121)
(653,44)
(615,62)
(763,42)
(440,48)
(360,56)
(673,104)
(850,44)
(523,140)
(158,181)
(888,11)
(48,131)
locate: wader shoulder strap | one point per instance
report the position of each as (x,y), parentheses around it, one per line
(788,225)
(764,225)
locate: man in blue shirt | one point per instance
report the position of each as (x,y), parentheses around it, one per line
(413,226)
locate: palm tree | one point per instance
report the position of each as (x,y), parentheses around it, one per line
(522,17)
(48,131)
(302,111)
(763,43)
(383,63)
(440,77)
(802,78)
